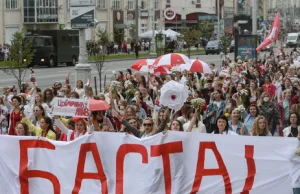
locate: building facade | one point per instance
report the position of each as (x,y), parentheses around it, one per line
(19,15)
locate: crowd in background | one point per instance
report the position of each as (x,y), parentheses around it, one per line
(250,97)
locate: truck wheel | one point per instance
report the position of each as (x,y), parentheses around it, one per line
(51,62)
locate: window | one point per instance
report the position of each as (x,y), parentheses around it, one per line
(130,4)
(143,4)
(198,1)
(102,4)
(116,4)
(168,1)
(40,11)
(11,4)
(155,4)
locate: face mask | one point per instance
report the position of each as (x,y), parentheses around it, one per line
(122,112)
(266,99)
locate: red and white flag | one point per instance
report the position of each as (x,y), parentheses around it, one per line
(273,36)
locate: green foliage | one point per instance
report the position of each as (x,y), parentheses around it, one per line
(20,57)
(191,37)
(104,37)
(132,30)
(159,44)
(225,41)
(118,35)
(206,28)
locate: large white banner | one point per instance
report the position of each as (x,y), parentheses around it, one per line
(175,163)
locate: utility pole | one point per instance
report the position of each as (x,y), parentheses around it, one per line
(254,17)
(136,21)
(218,8)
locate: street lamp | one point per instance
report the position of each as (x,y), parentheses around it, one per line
(218,8)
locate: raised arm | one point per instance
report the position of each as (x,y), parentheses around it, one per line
(62,127)
(129,127)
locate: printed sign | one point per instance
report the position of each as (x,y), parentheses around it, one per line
(174,163)
(169,13)
(246,46)
(82,17)
(79,3)
(70,107)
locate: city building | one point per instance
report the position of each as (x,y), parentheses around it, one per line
(19,15)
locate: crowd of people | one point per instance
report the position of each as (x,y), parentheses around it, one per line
(250,97)
(4,52)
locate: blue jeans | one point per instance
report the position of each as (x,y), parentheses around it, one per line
(296,190)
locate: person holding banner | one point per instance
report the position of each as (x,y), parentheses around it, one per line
(22,129)
(148,127)
(81,128)
(223,126)
(45,129)
(260,127)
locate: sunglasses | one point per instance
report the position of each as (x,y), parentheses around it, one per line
(147,124)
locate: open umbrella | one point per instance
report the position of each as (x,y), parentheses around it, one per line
(196,66)
(98,105)
(142,65)
(171,60)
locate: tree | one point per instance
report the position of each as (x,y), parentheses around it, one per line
(104,40)
(225,41)
(20,57)
(191,37)
(118,35)
(206,29)
(132,31)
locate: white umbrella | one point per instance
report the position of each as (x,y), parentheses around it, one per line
(148,34)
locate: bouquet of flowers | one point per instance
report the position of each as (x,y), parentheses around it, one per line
(197,103)
(245,96)
(128,84)
(114,87)
(241,109)
(129,93)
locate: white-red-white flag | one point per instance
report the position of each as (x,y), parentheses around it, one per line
(273,36)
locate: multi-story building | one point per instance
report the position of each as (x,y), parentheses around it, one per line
(55,14)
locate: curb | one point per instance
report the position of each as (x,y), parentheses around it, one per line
(126,59)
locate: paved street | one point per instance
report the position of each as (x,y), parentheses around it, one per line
(46,76)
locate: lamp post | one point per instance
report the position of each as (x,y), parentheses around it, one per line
(254,17)
(152,44)
(136,21)
(218,8)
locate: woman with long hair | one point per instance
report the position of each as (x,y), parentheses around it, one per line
(39,113)
(222,126)
(215,109)
(293,129)
(194,124)
(270,111)
(81,128)
(148,127)
(39,101)
(260,127)
(235,124)
(15,111)
(45,130)
(175,125)
(48,97)
(284,107)
(79,89)
(22,129)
